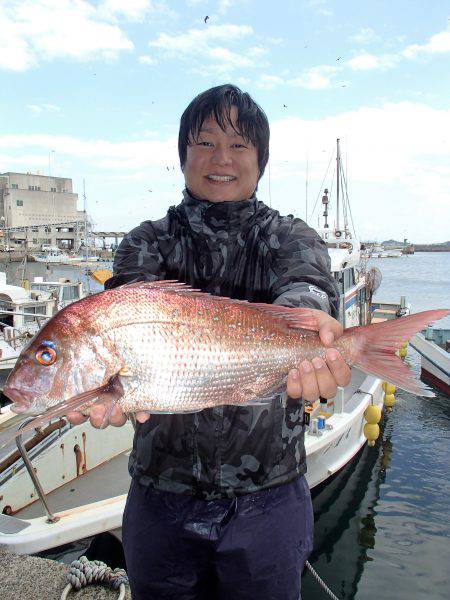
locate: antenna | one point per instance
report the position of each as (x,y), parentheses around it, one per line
(86,250)
(338,176)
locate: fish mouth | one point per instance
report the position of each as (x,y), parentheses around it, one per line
(23,399)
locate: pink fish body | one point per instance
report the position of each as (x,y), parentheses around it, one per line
(168,348)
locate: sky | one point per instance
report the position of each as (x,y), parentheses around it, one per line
(94,90)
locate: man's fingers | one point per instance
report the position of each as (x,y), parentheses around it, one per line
(142,417)
(325,380)
(97,414)
(326,336)
(294,384)
(308,381)
(117,417)
(75,417)
(338,368)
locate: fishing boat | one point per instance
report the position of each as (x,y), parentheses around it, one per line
(433,345)
(54,256)
(85,490)
(24,311)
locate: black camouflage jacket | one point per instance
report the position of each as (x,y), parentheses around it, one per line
(243,250)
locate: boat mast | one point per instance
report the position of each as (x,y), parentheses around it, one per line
(338,176)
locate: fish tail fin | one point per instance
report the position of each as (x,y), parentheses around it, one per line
(373,349)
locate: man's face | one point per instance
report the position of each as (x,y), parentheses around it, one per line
(221,165)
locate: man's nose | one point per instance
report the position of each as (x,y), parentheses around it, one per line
(221,155)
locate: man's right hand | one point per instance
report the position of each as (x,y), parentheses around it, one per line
(97,413)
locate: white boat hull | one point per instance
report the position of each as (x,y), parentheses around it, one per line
(435,362)
(326,454)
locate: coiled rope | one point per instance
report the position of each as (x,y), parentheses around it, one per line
(320,581)
(84,572)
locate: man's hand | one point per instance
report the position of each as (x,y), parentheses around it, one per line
(97,413)
(319,377)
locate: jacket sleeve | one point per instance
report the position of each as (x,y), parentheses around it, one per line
(138,258)
(300,269)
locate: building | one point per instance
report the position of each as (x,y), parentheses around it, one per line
(37,210)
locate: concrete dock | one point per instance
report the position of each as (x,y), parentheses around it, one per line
(32,578)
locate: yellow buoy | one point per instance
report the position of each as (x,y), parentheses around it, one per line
(388,388)
(372,414)
(371,432)
(389,400)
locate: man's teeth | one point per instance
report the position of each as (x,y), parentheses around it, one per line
(221,177)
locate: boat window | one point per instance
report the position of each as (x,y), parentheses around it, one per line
(349,278)
(34,310)
(71,292)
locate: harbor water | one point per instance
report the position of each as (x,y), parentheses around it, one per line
(382,524)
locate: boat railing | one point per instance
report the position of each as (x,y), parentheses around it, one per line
(51,518)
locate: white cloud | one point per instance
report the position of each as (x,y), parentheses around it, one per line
(438,44)
(320,7)
(134,10)
(196,39)
(224,5)
(269,82)
(38,108)
(36,30)
(205,44)
(316,78)
(106,155)
(369,62)
(228,58)
(366,35)
(145,59)
(398,159)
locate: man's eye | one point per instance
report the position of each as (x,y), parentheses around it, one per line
(204,144)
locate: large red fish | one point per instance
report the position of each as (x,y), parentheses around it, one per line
(163,347)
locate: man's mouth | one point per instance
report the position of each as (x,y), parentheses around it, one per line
(220,178)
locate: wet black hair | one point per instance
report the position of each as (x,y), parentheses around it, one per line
(252,123)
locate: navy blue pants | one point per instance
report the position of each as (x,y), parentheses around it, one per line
(250,548)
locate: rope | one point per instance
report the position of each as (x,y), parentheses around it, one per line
(84,572)
(320,581)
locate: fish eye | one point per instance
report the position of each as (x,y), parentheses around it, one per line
(46,355)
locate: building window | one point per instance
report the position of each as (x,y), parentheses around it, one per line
(19,202)
(53,189)
(15,186)
(34,188)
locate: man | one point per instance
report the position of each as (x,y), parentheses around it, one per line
(219,507)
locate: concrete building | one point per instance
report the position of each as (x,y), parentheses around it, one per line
(36,210)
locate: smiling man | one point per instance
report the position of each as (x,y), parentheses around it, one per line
(219,507)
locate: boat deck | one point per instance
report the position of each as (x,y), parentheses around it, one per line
(105,481)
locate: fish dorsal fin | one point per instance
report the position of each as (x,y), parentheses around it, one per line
(293,318)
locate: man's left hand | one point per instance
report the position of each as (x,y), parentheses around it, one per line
(318,377)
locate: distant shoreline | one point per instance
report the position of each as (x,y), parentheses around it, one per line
(431,248)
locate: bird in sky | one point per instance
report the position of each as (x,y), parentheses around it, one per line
(206,18)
